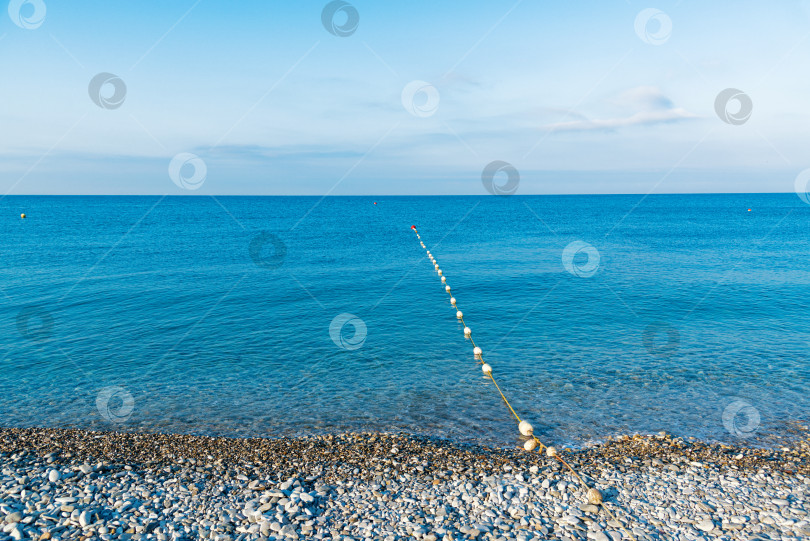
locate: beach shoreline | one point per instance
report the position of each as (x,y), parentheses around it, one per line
(67,483)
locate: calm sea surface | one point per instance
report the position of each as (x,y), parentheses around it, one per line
(268,316)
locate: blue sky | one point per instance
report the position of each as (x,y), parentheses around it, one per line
(271,102)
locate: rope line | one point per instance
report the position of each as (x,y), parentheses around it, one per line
(593,495)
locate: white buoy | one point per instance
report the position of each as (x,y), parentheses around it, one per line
(453,301)
(459,314)
(530,445)
(486,369)
(467,331)
(436,266)
(551,451)
(443,278)
(440,272)
(477,351)
(525,428)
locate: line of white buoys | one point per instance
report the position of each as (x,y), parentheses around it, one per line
(477,352)
(524,427)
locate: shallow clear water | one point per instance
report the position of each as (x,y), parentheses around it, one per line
(150,313)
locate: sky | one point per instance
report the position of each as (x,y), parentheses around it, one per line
(352,98)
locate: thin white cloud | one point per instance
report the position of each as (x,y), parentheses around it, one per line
(643,97)
(644,118)
(650,104)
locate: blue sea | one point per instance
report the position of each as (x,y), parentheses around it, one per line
(271,316)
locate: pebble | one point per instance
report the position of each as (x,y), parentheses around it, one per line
(705,525)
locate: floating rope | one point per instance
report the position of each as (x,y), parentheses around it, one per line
(593,495)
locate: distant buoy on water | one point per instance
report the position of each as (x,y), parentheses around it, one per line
(22,216)
(375,202)
(749,210)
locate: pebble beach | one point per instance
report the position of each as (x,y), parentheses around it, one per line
(74,484)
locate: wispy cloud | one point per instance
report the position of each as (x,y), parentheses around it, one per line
(649,106)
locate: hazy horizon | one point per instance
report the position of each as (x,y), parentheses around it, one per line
(369,195)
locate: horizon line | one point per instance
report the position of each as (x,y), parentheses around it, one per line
(190,195)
